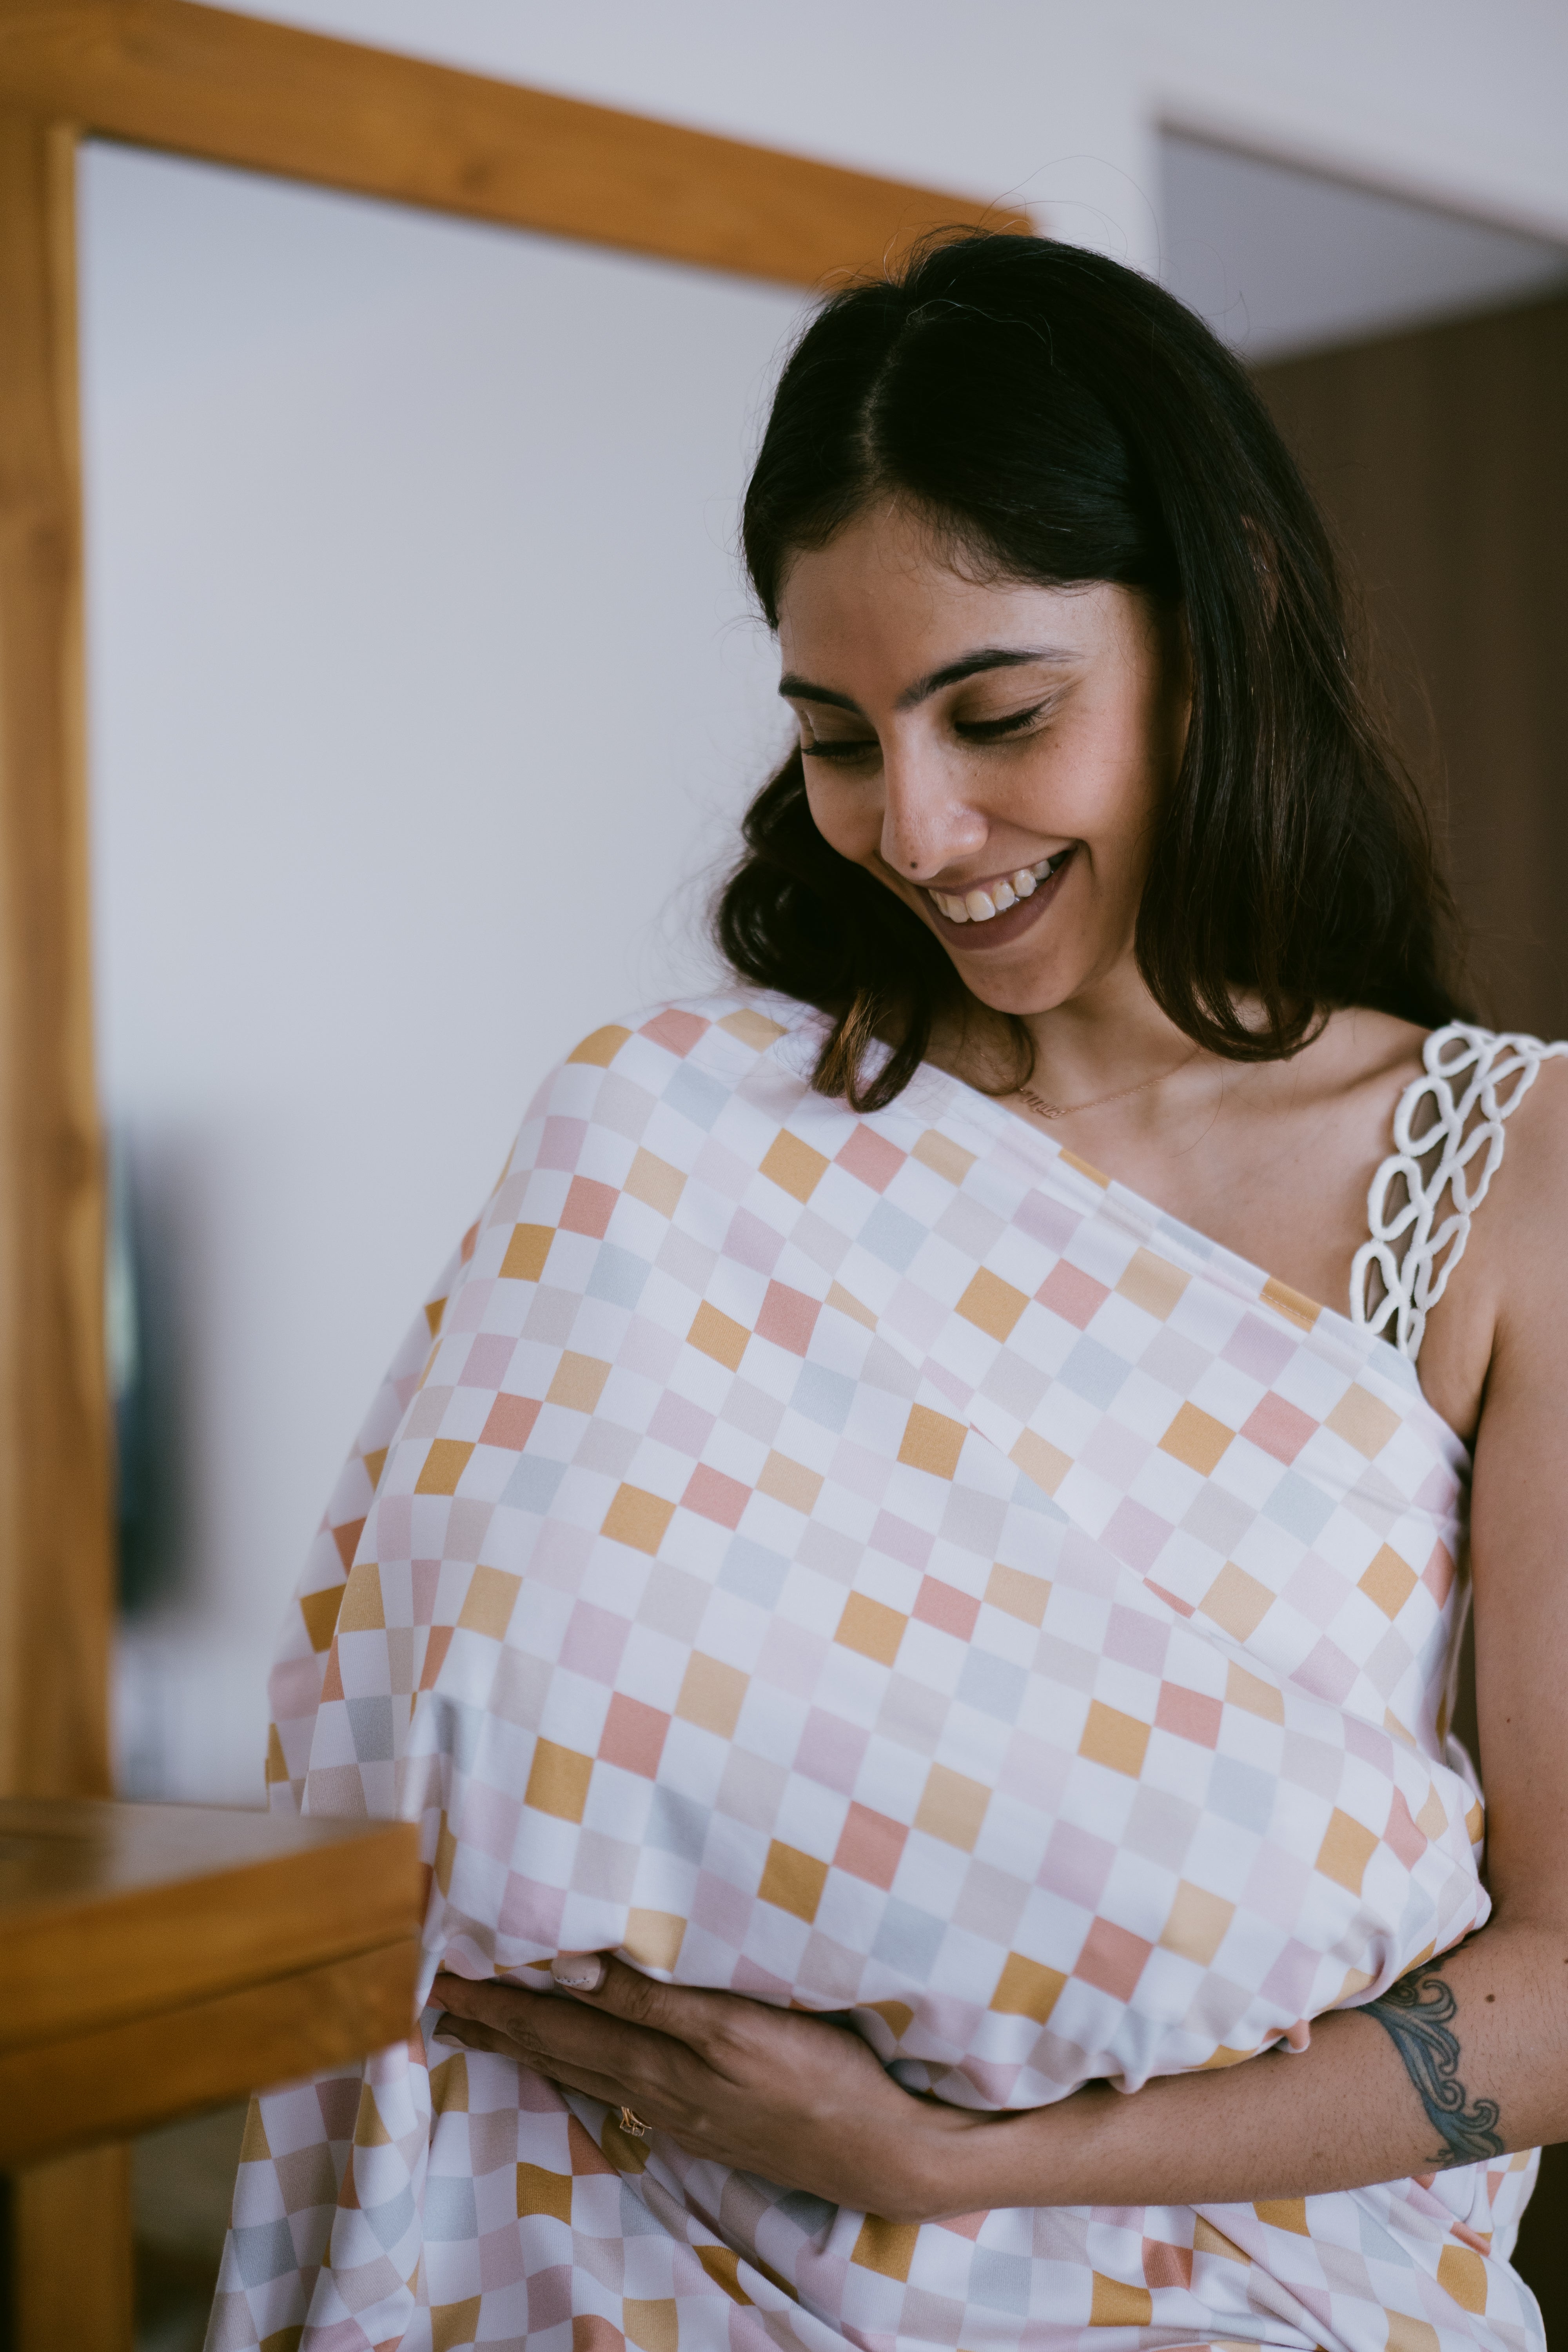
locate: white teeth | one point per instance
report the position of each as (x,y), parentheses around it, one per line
(979,905)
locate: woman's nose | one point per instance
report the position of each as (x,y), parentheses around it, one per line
(927,826)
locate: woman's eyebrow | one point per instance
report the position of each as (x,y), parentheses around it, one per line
(800,689)
(969,665)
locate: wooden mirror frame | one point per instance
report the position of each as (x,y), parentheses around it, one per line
(225,89)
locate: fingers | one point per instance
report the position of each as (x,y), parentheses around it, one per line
(578,1971)
(802,2100)
(470,2036)
(508,2007)
(460,1993)
(609,1986)
(575,2041)
(693,2018)
(547,2032)
(690,2063)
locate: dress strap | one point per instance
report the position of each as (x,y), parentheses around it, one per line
(1474,1078)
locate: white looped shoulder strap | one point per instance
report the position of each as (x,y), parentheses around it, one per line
(1473,1079)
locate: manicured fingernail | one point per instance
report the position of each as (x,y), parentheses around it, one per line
(578,1971)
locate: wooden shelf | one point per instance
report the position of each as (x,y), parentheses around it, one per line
(162,1959)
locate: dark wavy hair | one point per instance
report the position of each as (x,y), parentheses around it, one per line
(1061,419)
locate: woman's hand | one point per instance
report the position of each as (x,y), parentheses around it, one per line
(795,2098)
(803,2102)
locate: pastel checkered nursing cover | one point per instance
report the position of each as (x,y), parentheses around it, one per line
(878,1564)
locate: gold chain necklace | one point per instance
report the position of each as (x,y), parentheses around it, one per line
(1043,1109)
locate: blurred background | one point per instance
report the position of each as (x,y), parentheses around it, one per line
(424,691)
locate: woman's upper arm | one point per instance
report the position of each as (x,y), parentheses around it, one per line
(1519,1512)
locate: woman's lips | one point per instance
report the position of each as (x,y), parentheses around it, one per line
(999,930)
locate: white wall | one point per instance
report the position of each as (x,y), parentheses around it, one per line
(1056,100)
(1280,260)
(421,674)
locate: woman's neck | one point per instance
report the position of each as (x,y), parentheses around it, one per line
(1106,1038)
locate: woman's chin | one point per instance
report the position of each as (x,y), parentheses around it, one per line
(1032,974)
(1026,999)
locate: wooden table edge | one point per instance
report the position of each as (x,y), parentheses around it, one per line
(287,1890)
(77,2090)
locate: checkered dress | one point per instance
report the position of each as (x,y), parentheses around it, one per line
(878,1564)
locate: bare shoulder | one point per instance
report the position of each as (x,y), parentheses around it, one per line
(1350,1078)
(1504,1319)
(1358,1049)
(1532,1178)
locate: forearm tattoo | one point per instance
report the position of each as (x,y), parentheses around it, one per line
(1417,2014)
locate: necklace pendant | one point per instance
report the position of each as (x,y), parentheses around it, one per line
(1043,1109)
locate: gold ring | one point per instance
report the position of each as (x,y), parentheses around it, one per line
(633,2125)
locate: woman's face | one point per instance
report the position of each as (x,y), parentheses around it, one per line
(992,753)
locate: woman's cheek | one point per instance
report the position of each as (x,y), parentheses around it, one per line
(852,831)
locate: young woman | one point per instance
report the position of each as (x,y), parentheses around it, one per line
(911,1570)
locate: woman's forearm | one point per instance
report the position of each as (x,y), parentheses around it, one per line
(1465,2060)
(1468,2058)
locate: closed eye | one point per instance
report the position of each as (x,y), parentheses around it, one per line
(970,731)
(818,749)
(992,731)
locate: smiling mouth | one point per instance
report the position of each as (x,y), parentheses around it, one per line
(982,904)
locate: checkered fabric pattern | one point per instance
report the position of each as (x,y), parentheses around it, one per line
(878,1564)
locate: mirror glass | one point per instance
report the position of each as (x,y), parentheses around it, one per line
(424,695)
